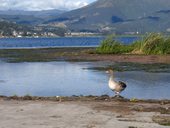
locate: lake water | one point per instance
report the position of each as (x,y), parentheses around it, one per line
(56,42)
(75,78)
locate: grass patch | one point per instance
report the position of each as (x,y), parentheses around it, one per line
(162,120)
(111,46)
(153,43)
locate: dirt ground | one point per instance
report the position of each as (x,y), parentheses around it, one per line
(98,112)
(75,54)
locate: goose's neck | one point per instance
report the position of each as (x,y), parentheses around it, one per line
(112,77)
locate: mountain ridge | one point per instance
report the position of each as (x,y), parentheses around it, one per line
(119,16)
(101,16)
(29,17)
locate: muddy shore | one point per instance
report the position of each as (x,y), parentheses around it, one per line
(75,54)
(83,112)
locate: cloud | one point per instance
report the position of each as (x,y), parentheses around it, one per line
(42,4)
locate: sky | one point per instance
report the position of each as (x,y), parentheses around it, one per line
(42,4)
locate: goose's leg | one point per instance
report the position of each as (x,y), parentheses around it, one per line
(117,94)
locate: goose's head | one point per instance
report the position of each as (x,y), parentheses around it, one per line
(110,71)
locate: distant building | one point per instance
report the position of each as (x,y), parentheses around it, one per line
(80,34)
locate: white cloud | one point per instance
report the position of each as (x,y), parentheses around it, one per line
(42,4)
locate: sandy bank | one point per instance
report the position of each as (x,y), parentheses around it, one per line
(86,113)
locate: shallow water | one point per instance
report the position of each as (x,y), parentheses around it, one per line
(74,78)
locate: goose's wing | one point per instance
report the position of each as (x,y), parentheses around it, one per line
(122,84)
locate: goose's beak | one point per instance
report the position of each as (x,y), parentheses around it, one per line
(107,72)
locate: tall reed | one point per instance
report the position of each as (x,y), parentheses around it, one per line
(152,43)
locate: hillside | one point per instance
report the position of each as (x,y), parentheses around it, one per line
(120,16)
(11,29)
(29,17)
(7,29)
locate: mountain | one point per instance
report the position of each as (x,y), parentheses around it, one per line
(29,17)
(42,13)
(120,16)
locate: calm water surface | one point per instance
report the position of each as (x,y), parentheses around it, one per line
(74,78)
(57,42)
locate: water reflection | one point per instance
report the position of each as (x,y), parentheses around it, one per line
(66,79)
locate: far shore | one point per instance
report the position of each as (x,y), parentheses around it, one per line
(76,54)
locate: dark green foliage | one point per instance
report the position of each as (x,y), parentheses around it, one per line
(8,28)
(166,46)
(153,43)
(111,46)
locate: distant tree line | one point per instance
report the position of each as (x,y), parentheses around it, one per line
(10,29)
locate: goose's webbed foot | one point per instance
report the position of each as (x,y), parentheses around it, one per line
(118,95)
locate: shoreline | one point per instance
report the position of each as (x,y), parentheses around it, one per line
(76,54)
(83,98)
(83,112)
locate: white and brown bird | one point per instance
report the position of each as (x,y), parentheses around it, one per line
(116,86)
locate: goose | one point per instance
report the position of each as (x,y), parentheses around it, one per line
(115,86)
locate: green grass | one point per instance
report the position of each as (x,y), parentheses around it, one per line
(153,43)
(111,46)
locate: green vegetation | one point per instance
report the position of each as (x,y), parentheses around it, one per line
(133,100)
(111,46)
(7,28)
(10,29)
(153,43)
